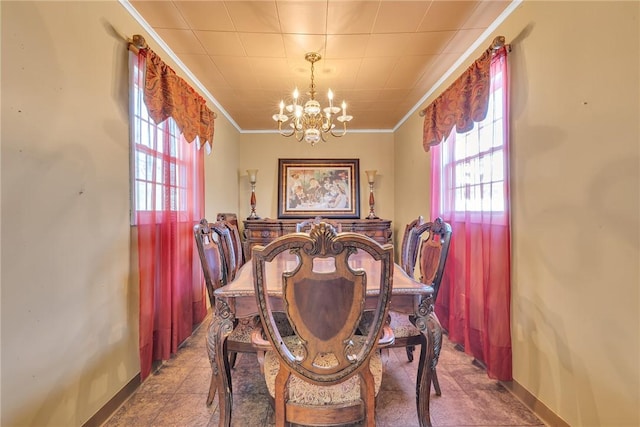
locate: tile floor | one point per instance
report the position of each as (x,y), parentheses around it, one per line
(175,395)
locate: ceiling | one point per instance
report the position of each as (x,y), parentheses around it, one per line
(381,57)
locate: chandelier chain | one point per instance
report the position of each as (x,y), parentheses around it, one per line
(312,87)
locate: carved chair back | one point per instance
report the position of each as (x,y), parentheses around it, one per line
(222,229)
(213,269)
(432,251)
(408,248)
(323,298)
(230,221)
(229,217)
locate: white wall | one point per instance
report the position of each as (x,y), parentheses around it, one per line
(69,288)
(575,205)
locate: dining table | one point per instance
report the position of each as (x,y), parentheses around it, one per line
(237,300)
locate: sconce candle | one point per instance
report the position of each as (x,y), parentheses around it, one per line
(253,173)
(371,176)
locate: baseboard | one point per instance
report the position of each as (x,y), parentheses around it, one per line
(549,417)
(112,405)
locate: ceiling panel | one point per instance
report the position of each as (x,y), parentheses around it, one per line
(392,44)
(200,15)
(207,72)
(221,43)
(380,56)
(400,16)
(375,72)
(486,13)
(253,16)
(161,14)
(302,17)
(346,46)
(181,41)
(428,43)
(447,15)
(296,45)
(263,45)
(351,17)
(407,72)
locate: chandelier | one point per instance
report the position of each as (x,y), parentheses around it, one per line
(309,121)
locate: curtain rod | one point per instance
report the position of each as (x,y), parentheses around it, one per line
(137,42)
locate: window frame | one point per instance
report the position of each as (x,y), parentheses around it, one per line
(163,143)
(452,163)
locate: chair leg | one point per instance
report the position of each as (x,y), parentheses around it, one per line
(410,349)
(436,384)
(212,390)
(232,359)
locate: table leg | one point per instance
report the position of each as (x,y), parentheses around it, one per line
(220,328)
(423,380)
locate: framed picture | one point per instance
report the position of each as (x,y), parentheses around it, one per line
(318,187)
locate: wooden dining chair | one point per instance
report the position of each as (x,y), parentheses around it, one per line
(408,255)
(231,222)
(426,249)
(408,248)
(325,374)
(215,276)
(305,226)
(227,246)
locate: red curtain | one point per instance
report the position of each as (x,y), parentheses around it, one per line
(172,295)
(475,295)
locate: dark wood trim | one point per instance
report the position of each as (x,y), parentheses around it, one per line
(114,403)
(541,410)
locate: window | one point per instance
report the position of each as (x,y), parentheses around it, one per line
(159,167)
(473,163)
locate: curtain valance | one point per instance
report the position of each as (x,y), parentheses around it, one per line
(462,103)
(168,95)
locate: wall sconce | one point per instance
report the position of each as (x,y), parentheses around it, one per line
(371,176)
(252,179)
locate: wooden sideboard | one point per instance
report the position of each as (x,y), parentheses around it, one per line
(263,231)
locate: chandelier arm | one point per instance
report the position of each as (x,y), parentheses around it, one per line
(344,131)
(283,133)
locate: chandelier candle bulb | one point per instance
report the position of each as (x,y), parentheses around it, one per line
(330,96)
